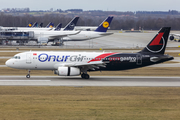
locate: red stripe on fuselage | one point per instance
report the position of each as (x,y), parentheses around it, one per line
(100,57)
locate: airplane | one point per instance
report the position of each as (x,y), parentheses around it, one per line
(86,28)
(79,63)
(71,24)
(87,35)
(30,27)
(172,37)
(61,36)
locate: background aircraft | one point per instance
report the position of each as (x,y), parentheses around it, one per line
(79,63)
(173,36)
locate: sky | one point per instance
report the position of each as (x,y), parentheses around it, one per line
(105,5)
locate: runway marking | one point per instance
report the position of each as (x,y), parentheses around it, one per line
(25,80)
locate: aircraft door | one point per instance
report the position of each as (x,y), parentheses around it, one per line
(139,59)
(31,34)
(28,58)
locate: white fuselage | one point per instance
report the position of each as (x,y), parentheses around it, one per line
(67,35)
(52,60)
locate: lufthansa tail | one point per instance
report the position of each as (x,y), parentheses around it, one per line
(50,25)
(29,25)
(41,25)
(71,24)
(35,24)
(58,27)
(158,43)
(103,27)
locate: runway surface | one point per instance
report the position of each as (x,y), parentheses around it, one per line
(142,81)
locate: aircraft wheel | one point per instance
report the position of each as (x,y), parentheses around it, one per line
(86,76)
(82,75)
(28,76)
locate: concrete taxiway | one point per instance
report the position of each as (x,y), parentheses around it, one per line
(141,81)
(116,40)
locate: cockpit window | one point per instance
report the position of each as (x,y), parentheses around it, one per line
(16,57)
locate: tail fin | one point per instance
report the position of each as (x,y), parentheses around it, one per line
(41,25)
(35,24)
(58,27)
(103,27)
(158,43)
(71,24)
(29,25)
(51,25)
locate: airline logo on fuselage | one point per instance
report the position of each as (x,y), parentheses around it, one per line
(60,58)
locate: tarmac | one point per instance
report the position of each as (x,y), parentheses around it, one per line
(116,40)
(126,81)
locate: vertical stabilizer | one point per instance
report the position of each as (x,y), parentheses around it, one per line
(71,24)
(158,43)
(103,27)
(58,27)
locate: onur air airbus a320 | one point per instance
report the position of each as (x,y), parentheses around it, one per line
(79,63)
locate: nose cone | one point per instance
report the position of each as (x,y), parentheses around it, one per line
(8,63)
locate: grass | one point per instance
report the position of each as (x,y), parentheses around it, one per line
(89,103)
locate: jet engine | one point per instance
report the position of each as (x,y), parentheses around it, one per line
(171,37)
(67,71)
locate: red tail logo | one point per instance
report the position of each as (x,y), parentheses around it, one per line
(157,40)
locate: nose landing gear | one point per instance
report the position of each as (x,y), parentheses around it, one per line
(28,75)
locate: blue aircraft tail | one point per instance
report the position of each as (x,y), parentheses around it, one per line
(51,25)
(58,27)
(35,24)
(41,25)
(71,24)
(103,27)
(29,25)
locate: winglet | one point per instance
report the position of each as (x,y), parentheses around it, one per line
(103,27)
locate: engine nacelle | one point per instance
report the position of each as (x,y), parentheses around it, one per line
(67,71)
(171,37)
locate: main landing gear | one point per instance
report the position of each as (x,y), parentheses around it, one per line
(28,75)
(85,76)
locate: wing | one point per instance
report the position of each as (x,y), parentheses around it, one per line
(85,66)
(63,35)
